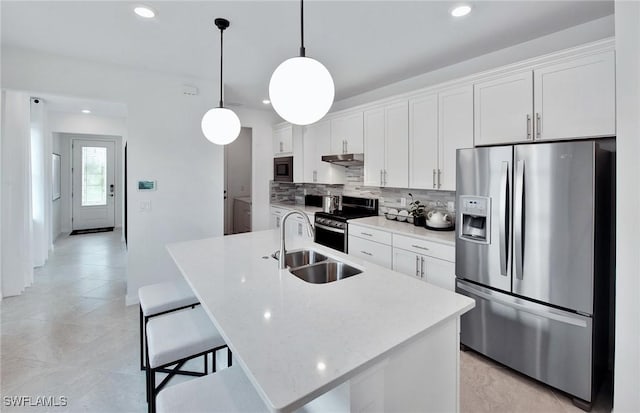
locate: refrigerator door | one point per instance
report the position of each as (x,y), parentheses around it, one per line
(486,173)
(550,345)
(553,224)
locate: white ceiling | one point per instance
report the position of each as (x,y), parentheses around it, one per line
(75,105)
(365,44)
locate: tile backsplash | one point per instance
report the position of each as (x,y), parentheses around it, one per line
(354,186)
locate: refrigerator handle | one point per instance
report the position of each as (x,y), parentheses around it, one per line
(504,219)
(518,219)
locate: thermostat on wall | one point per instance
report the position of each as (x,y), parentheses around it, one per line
(147,185)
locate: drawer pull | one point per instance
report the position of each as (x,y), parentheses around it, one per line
(367,253)
(419,247)
(367,234)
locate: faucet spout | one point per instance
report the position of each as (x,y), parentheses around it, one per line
(283,252)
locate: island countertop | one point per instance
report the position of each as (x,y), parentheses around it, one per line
(296,340)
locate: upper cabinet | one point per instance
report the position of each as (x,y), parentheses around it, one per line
(347,134)
(576,99)
(386,146)
(439,124)
(283,140)
(571,99)
(317,142)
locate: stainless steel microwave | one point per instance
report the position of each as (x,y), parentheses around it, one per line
(283,169)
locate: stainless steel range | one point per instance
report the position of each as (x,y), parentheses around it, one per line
(332,229)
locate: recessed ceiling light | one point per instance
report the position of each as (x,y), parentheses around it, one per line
(86,111)
(461,11)
(266,101)
(144,11)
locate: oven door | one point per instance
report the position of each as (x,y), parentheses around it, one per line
(331,237)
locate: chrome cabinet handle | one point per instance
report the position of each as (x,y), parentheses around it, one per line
(421,267)
(315,176)
(504,201)
(419,247)
(277,222)
(346,146)
(439,173)
(281,147)
(299,229)
(367,234)
(528,126)
(518,218)
(417,265)
(367,253)
(538,126)
(434,178)
(381,181)
(385,176)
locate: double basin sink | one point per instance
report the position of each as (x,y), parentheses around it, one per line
(316,268)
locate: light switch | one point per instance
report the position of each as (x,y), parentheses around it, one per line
(145,206)
(403,202)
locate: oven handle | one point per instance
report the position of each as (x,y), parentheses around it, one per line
(339,231)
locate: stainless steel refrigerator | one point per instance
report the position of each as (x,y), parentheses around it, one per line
(534,249)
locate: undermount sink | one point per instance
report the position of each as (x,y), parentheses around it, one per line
(324,272)
(301,257)
(316,268)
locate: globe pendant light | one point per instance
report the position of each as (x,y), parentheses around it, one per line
(301,89)
(221,125)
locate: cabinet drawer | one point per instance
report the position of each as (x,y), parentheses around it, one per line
(424,247)
(376,235)
(371,251)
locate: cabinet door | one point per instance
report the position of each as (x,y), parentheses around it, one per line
(347,134)
(423,142)
(396,171)
(455,132)
(440,272)
(503,110)
(310,155)
(406,262)
(371,251)
(283,140)
(374,147)
(576,99)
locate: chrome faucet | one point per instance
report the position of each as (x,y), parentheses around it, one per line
(283,252)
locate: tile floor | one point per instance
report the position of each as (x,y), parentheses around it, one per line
(71,335)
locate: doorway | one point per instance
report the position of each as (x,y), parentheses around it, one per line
(237,184)
(93,195)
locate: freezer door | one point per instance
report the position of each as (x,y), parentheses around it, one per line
(486,172)
(550,345)
(553,224)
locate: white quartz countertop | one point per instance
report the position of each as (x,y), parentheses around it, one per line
(403,228)
(306,209)
(297,340)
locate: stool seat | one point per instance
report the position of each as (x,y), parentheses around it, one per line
(180,334)
(228,390)
(165,296)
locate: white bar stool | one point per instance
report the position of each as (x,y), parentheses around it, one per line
(175,338)
(226,391)
(161,298)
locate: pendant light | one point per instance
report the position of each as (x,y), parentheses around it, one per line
(221,125)
(301,89)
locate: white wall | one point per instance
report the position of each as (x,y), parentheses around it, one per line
(56,206)
(164,143)
(626,397)
(564,39)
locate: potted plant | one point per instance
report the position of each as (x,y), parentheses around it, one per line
(416,209)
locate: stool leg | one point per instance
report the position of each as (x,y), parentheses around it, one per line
(141,340)
(152,390)
(206,363)
(229,361)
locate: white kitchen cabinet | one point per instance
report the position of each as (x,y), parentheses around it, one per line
(439,124)
(576,99)
(347,134)
(407,262)
(423,141)
(283,140)
(503,109)
(371,251)
(317,142)
(430,269)
(386,136)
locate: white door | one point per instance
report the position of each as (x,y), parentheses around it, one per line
(455,130)
(93,194)
(407,263)
(396,171)
(374,147)
(576,99)
(423,141)
(503,110)
(347,134)
(440,272)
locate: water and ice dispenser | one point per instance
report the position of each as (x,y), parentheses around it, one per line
(475,213)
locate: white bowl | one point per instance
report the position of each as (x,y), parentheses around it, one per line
(402,215)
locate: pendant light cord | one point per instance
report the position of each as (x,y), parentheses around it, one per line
(302,50)
(221,34)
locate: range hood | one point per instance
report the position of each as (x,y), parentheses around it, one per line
(346,159)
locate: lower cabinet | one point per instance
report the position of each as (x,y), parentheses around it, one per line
(430,269)
(370,250)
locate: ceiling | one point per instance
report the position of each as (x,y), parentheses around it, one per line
(57,103)
(364,44)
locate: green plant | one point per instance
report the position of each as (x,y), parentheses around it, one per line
(416,208)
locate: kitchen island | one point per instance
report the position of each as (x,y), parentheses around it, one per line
(376,341)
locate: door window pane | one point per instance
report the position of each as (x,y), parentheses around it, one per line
(94,176)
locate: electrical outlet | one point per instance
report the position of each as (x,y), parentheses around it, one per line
(451,206)
(403,202)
